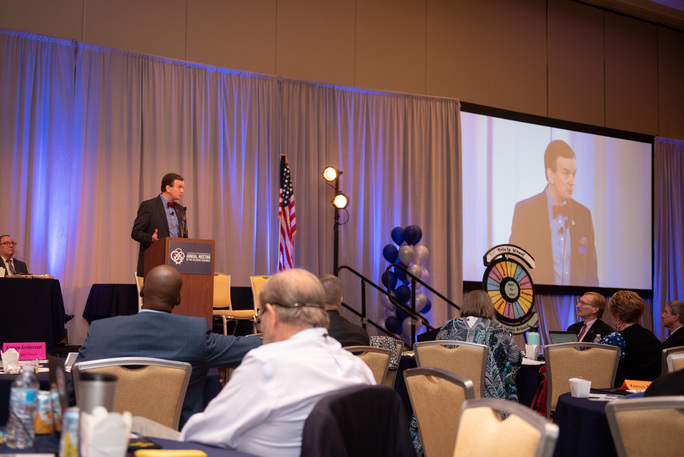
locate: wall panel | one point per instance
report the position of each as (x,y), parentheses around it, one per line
(62,19)
(671,83)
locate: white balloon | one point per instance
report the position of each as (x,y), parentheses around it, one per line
(416,271)
(406,254)
(406,326)
(422,254)
(426,275)
(421,300)
(384,299)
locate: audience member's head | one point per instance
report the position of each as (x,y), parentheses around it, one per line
(673,314)
(478,304)
(161,290)
(333,292)
(596,306)
(7,247)
(291,301)
(626,307)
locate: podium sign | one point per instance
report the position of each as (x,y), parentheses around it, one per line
(190,257)
(194,259)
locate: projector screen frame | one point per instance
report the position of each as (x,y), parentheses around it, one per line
(469,285)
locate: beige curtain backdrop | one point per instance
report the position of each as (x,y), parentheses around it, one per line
(86,134)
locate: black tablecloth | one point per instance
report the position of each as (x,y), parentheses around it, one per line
(107,300)
(31,310)
(583,428)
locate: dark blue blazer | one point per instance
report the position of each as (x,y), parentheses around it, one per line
(167,336)
(152,216)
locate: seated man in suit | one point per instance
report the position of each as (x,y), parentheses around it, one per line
(673,320)
(263,408)
(9,264)
(155,332)
(340,328)
(590,309)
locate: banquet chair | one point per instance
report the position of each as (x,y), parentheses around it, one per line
(460,357)
(668,351)
(647,426)
(377,359)
(675,362)
(147,387)
(396,348)
(138,284)
(591,361)
(483,433)
(437,397)
(359,421)
(257,282)
(223,306)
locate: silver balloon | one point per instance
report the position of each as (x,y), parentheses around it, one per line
(421,300)
(406,254)
(406,326)
(384,299)
(426,275)
(416,271)
(422,254)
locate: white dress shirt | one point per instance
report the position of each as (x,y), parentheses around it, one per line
(263,407)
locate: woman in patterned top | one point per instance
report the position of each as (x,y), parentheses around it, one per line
(477,324)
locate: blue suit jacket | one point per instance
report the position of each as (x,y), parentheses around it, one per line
(152,216)
(167,336)
(532,232)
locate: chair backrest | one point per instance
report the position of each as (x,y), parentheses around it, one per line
(591,361)
(222,291)
(396,348)
(257,282)
(437,397)
(668,351)
(647,426)
(358,421)
(148,387)
(377,359)
(138,284)
(483,433)
(463,358)
(675,362)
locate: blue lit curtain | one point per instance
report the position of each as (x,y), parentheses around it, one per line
(87,133)
(668,227)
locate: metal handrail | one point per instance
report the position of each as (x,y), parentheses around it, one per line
(411,311)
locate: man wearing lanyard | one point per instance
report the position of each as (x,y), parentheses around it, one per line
(160,217)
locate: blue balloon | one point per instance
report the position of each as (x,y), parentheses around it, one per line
(426,308)
(411,234)
(420,234)
(399,273)
(390,253)
(392,324)
(403,293)
(398,235)
(401,315)
(392,280)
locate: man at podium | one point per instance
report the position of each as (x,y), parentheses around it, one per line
(160,217)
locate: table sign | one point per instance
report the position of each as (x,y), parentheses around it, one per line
(27,351)
(636,386)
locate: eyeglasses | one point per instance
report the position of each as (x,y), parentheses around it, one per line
(9,243)
(583,303)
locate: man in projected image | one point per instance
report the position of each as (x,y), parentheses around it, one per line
(555,229)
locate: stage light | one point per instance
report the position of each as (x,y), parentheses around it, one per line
(340,201)
(330,174)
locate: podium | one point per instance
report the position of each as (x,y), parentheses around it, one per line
(194,259)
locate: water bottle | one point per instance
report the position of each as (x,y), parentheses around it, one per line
(598,338)
(20,431)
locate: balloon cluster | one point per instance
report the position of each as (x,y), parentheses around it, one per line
(412,257)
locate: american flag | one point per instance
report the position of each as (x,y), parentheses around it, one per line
(286,216)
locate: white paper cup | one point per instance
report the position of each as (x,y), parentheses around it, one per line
(579,388)
(532,351)
(10,360)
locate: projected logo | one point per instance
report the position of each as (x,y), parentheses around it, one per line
(510,286)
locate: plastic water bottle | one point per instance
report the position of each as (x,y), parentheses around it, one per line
(598,338)
(20,431)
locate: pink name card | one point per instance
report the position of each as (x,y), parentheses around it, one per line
(27,351)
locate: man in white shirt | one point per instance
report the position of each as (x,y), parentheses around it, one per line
(590,308)
(263,407)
